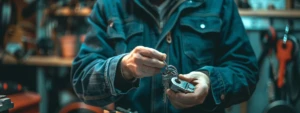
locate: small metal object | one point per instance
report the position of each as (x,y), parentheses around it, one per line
(170,71)
(167,75)
(202,26)
(181,86)
(285,37)
(5,104)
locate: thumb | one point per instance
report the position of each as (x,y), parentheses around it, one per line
(187,77)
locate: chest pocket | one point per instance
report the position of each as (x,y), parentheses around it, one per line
(134,34)
(124,36)
(199,35)
(116,36)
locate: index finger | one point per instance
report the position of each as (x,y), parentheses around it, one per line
(152,53)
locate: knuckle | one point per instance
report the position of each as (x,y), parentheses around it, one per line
(137,57)
(153,61)
(152,51)
(138,48)
(149,52)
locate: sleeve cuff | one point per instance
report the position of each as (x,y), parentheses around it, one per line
(217,87)
(118,85)
(123,84)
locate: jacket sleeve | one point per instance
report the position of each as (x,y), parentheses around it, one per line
(95,68)
(234,77)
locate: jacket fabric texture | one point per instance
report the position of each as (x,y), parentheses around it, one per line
(199,35)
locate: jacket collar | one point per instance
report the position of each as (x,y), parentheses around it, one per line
(171,21)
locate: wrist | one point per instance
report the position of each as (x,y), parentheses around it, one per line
(125,71)
(125,74)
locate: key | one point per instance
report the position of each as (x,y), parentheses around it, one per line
(284,54)
(169,72)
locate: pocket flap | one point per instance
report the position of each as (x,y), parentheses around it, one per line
(202,24)
(115,29)
(133,28)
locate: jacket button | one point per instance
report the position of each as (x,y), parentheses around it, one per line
(111,24)
(202,26)
(222,97)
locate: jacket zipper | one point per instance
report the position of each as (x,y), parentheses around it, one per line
(153,78)
(156,21)
(169,41)
(175,7)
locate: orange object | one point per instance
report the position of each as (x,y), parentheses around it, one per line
(5,86)
(26,102)
(19,87)
(110,107)
(284,54)
(80,105)
(68,45)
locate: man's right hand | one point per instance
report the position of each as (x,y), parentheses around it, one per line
(142,62)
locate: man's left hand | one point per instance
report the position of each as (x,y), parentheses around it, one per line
(186,100)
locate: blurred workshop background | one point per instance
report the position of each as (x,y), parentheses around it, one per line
(39,39)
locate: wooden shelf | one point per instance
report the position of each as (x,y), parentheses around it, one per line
(25,102)
(66,11)
(271,13)
(41,61)
(243,12)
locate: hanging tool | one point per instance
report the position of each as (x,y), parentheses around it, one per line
(286,50)
(268,42)
(284,55)
(292,76)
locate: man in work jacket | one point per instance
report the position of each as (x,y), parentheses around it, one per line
(131,41)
